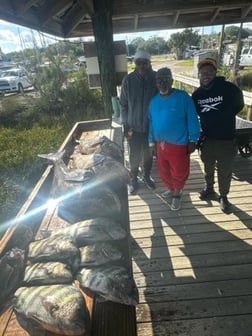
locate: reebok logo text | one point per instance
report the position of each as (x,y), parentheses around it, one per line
(210,100)
(210,103)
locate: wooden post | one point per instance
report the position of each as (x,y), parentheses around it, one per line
(237,56)
(249,113)
(102,27)
(221,46)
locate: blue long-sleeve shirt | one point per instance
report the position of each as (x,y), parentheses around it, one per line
(173,119)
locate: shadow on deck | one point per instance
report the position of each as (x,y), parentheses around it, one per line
(193,267)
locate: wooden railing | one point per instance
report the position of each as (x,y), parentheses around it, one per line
(194,82)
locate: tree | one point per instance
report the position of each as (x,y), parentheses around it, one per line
(231,33)
(135,44)
(156,45)
(180,41)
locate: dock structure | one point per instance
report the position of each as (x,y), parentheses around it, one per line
(193,266)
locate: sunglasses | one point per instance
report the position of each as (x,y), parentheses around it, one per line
(142,62)
(163,80)
(207,73)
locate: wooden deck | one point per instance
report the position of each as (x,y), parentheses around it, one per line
(193,267)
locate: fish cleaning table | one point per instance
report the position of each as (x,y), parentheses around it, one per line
(107,318)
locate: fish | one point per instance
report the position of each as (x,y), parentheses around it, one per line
(111,148)
(99,254)
(108,170)
(112,172)
(63,174)
(84,145)
(47,273)
(21,237)
(56,248)
(102,145)
(60,309)
(89,231)
(79,161)
(12,265)
(112,283)
(88,200)
(80,195)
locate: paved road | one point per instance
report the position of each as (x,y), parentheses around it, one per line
(176,66)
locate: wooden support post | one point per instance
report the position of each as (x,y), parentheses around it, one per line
(249,113)
(221,46)
(102,27)
(237,56)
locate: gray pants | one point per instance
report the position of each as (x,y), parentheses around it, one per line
(139,152)
(218,154)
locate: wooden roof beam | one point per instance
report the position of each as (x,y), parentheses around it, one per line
(188,7)
(21,7)
(51,9)
(246,11)
(25,6)
(136,21)
(175,20)
(74,18)
(87,6)
(215,14)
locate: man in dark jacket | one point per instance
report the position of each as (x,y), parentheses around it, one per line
(217,102)
(137,89)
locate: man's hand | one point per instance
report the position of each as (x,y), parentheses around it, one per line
(127,132)
(152,149)
(191,146)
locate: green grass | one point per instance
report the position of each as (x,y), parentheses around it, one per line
(31,126)
(20,166)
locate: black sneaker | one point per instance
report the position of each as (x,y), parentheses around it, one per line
(207,194)
(225,205)
(133,186)
(149,182)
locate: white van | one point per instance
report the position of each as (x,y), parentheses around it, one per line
(246,57)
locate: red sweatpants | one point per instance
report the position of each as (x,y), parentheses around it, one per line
(173,164)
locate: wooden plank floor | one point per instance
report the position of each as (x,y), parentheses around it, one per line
(193,267)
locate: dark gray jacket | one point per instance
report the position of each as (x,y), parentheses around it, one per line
(136,92)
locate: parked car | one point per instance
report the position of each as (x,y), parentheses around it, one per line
(14,80)
(191,51)
(246,57)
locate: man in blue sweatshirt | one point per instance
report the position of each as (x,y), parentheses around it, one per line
(217,102)
(174,130)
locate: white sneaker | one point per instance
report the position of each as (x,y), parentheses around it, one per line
(175,203)
(167,193)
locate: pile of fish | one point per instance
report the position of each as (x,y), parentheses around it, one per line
(12,266)
(12,263)
(89,183)
(87,251)
(102,145)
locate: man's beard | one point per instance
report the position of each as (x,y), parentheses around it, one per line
(164,92)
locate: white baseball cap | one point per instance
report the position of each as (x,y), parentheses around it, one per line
(142,54)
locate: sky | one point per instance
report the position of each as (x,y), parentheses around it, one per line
(17,38)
